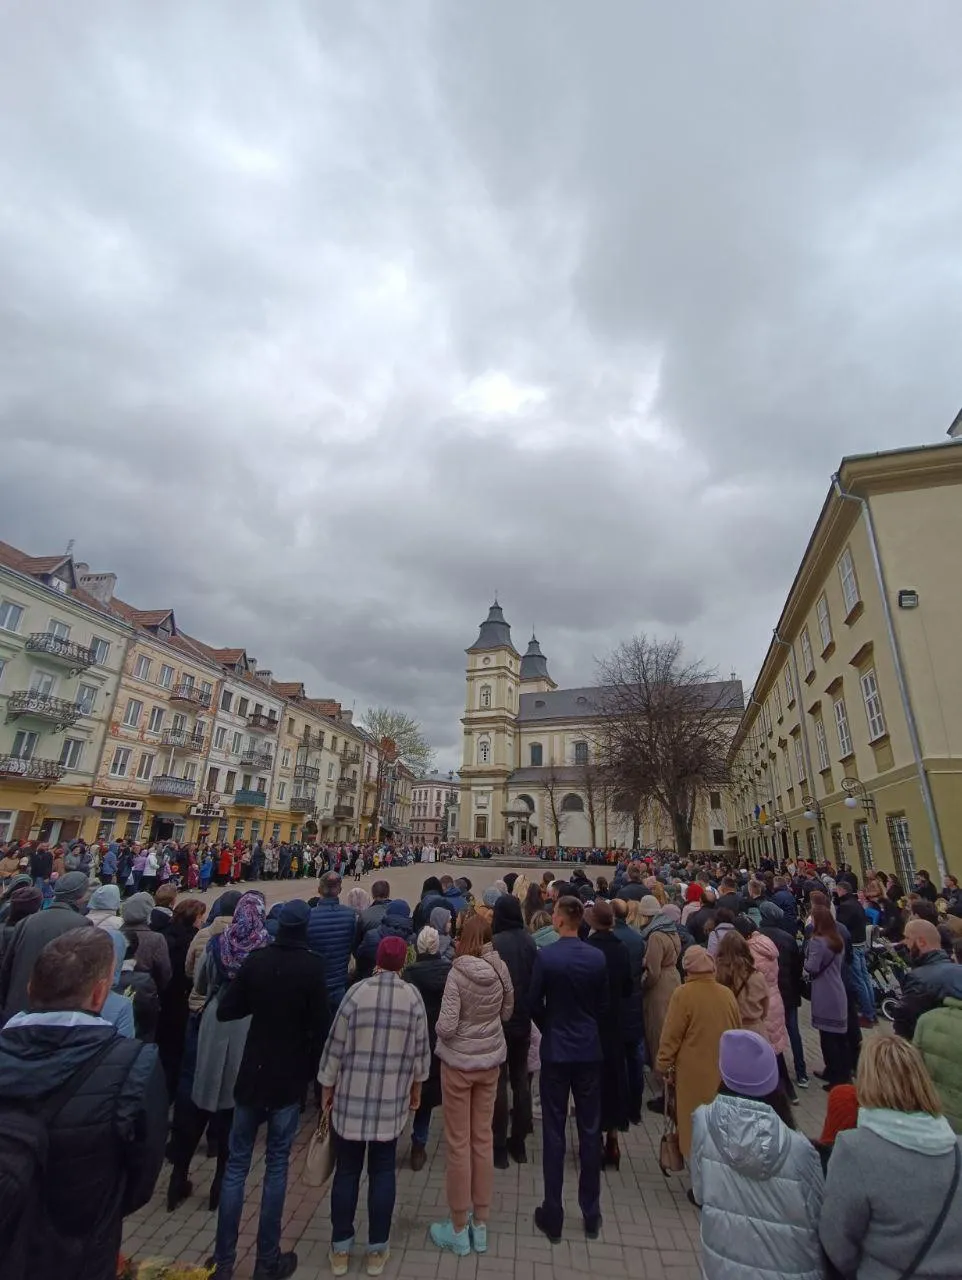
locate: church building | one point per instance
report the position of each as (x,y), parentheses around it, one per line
(528,774)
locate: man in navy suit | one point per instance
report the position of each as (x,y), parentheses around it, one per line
(569,996)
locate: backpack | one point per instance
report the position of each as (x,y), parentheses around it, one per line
(24,1148)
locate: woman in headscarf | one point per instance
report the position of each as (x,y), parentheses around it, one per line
(220,1047)
(103,907)
(440,919)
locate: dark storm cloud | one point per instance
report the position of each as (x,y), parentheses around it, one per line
(322,321)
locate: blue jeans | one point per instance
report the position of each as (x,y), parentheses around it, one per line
(863,984)
(282,1126)
(795,1040)
(421,1126)
(381,1188)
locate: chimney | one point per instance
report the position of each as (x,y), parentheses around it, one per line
(100,585)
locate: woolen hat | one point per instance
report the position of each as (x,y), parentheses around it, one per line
(747,1064)
(428,943)
(292,921)
(391,954)
(106,898)
(71,887)
(649,905)
(398,909)
(842,1112)
(136,910)
(697,960)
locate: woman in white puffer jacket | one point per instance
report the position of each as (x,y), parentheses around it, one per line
(758,1182)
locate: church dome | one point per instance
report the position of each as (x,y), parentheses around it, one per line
(495,632)
(534,665)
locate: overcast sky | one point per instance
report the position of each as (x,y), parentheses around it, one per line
(322,321)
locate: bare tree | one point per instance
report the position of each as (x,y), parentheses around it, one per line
(666,728)
(555,788)
(396,736)
(591,781)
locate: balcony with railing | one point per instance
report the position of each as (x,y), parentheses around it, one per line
(75,656)
(302,801)
(165,784)
(182,739)
(190,695)
(343,811)
(42,706)
(347,784)
(256,758)
(306,773)
(249,799)
(31,770)
(313,741)
(351,757)
(265,723)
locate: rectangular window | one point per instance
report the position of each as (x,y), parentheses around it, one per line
(789,686)
(24,744)
(808,661)
(187,680)
(800,760)
(824,621)
(811,836)
(86,698)
(146,767)
(132,714)
(276,831)
(42,684)
(821,744)
(846,573)
(777,695)
(537,754)
(286,758)
(290,725)
(262,784)
(220,737)
(714,800)
(166,677)
(903,854)
(3,663)
(226,698)
(863,841)
(718,837)
(327,799)
(213,777)
(841,724)
(481,827)
(767,717)
(873,705)
(330,773)
(6,824)
(242,707)
(11,615)
(190,770)
(581,753)
(838,843)
(142,669)
(59,629)
(281,790)
(179,722)
(206,691)
(788,768)
(236,744)
(230,782)
(120,762)
(73,749)
(101,650)
(156,722)
(239,828)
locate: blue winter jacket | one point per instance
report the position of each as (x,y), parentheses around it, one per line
(331,934)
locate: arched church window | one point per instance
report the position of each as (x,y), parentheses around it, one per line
(485,695)
(527,802)
(484,751)
(572,804)
(537,754)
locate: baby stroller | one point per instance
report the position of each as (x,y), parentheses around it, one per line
(885,970)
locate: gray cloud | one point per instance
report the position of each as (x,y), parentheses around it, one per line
(321,322)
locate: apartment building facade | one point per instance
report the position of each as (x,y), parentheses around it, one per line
(432,797)
(851,744)
(60,668)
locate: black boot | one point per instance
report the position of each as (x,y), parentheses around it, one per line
(501,1160)
(516,1150)
(178,1189)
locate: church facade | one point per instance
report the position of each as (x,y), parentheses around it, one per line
(528,774)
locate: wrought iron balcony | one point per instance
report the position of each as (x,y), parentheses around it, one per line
(190,694)
(347,784)
(258,720)
(306,773)
(352,757)
(302,801)
(182,739)
(166,784)
(41,706)
(255,758)
(313,741)
(31,770)
(343,811)
(250,799)
(76,656)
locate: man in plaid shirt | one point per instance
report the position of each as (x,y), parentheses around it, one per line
(376,1058)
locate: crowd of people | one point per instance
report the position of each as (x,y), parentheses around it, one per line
(137,1025)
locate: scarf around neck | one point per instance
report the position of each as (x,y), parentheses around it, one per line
(912,1130)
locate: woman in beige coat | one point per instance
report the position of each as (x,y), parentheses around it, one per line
(478,998)
(699,1014)
(660,977)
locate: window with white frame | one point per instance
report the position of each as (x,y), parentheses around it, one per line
(799,759)
(777,695)
(767,717)
(71,753)
(327,799)
(846,574)
(220,737)
(86,698)
(42,683)
(120,763)
(166,677)
(101,648)
(190,770)
(841,724)
(6,825)
(236,743)
(789,685)
(821,744)
(281,790)
(133,713)
(179,722)
(213,778)
(11,615)
(59,630)
(808,660)
(24,744)
(206,690)
(146,766)
(156,721)
(873,705)
(226,698)
(142,668)
(824,621)
(286,758)
(788,768)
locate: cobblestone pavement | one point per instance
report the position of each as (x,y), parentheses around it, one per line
(650,1229)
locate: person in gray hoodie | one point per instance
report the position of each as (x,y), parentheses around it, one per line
(34,932)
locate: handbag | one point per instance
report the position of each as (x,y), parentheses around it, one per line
(319,1161)
(939,1223)
(670,1159)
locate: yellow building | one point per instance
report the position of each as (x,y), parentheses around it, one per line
(60,664)
(851,744)
(528,774)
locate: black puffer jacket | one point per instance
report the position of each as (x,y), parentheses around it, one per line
(429,974)
(518,950)
(106,1144)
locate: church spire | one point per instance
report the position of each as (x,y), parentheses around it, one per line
(495,633)
(534,665)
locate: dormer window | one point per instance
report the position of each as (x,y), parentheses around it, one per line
(163,631)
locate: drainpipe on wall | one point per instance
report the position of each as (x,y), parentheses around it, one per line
(900,676)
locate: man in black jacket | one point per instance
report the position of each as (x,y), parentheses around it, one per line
(632,1009)
(517,949)
(282,989)
(931,979)
(107,1139)
(789,982)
